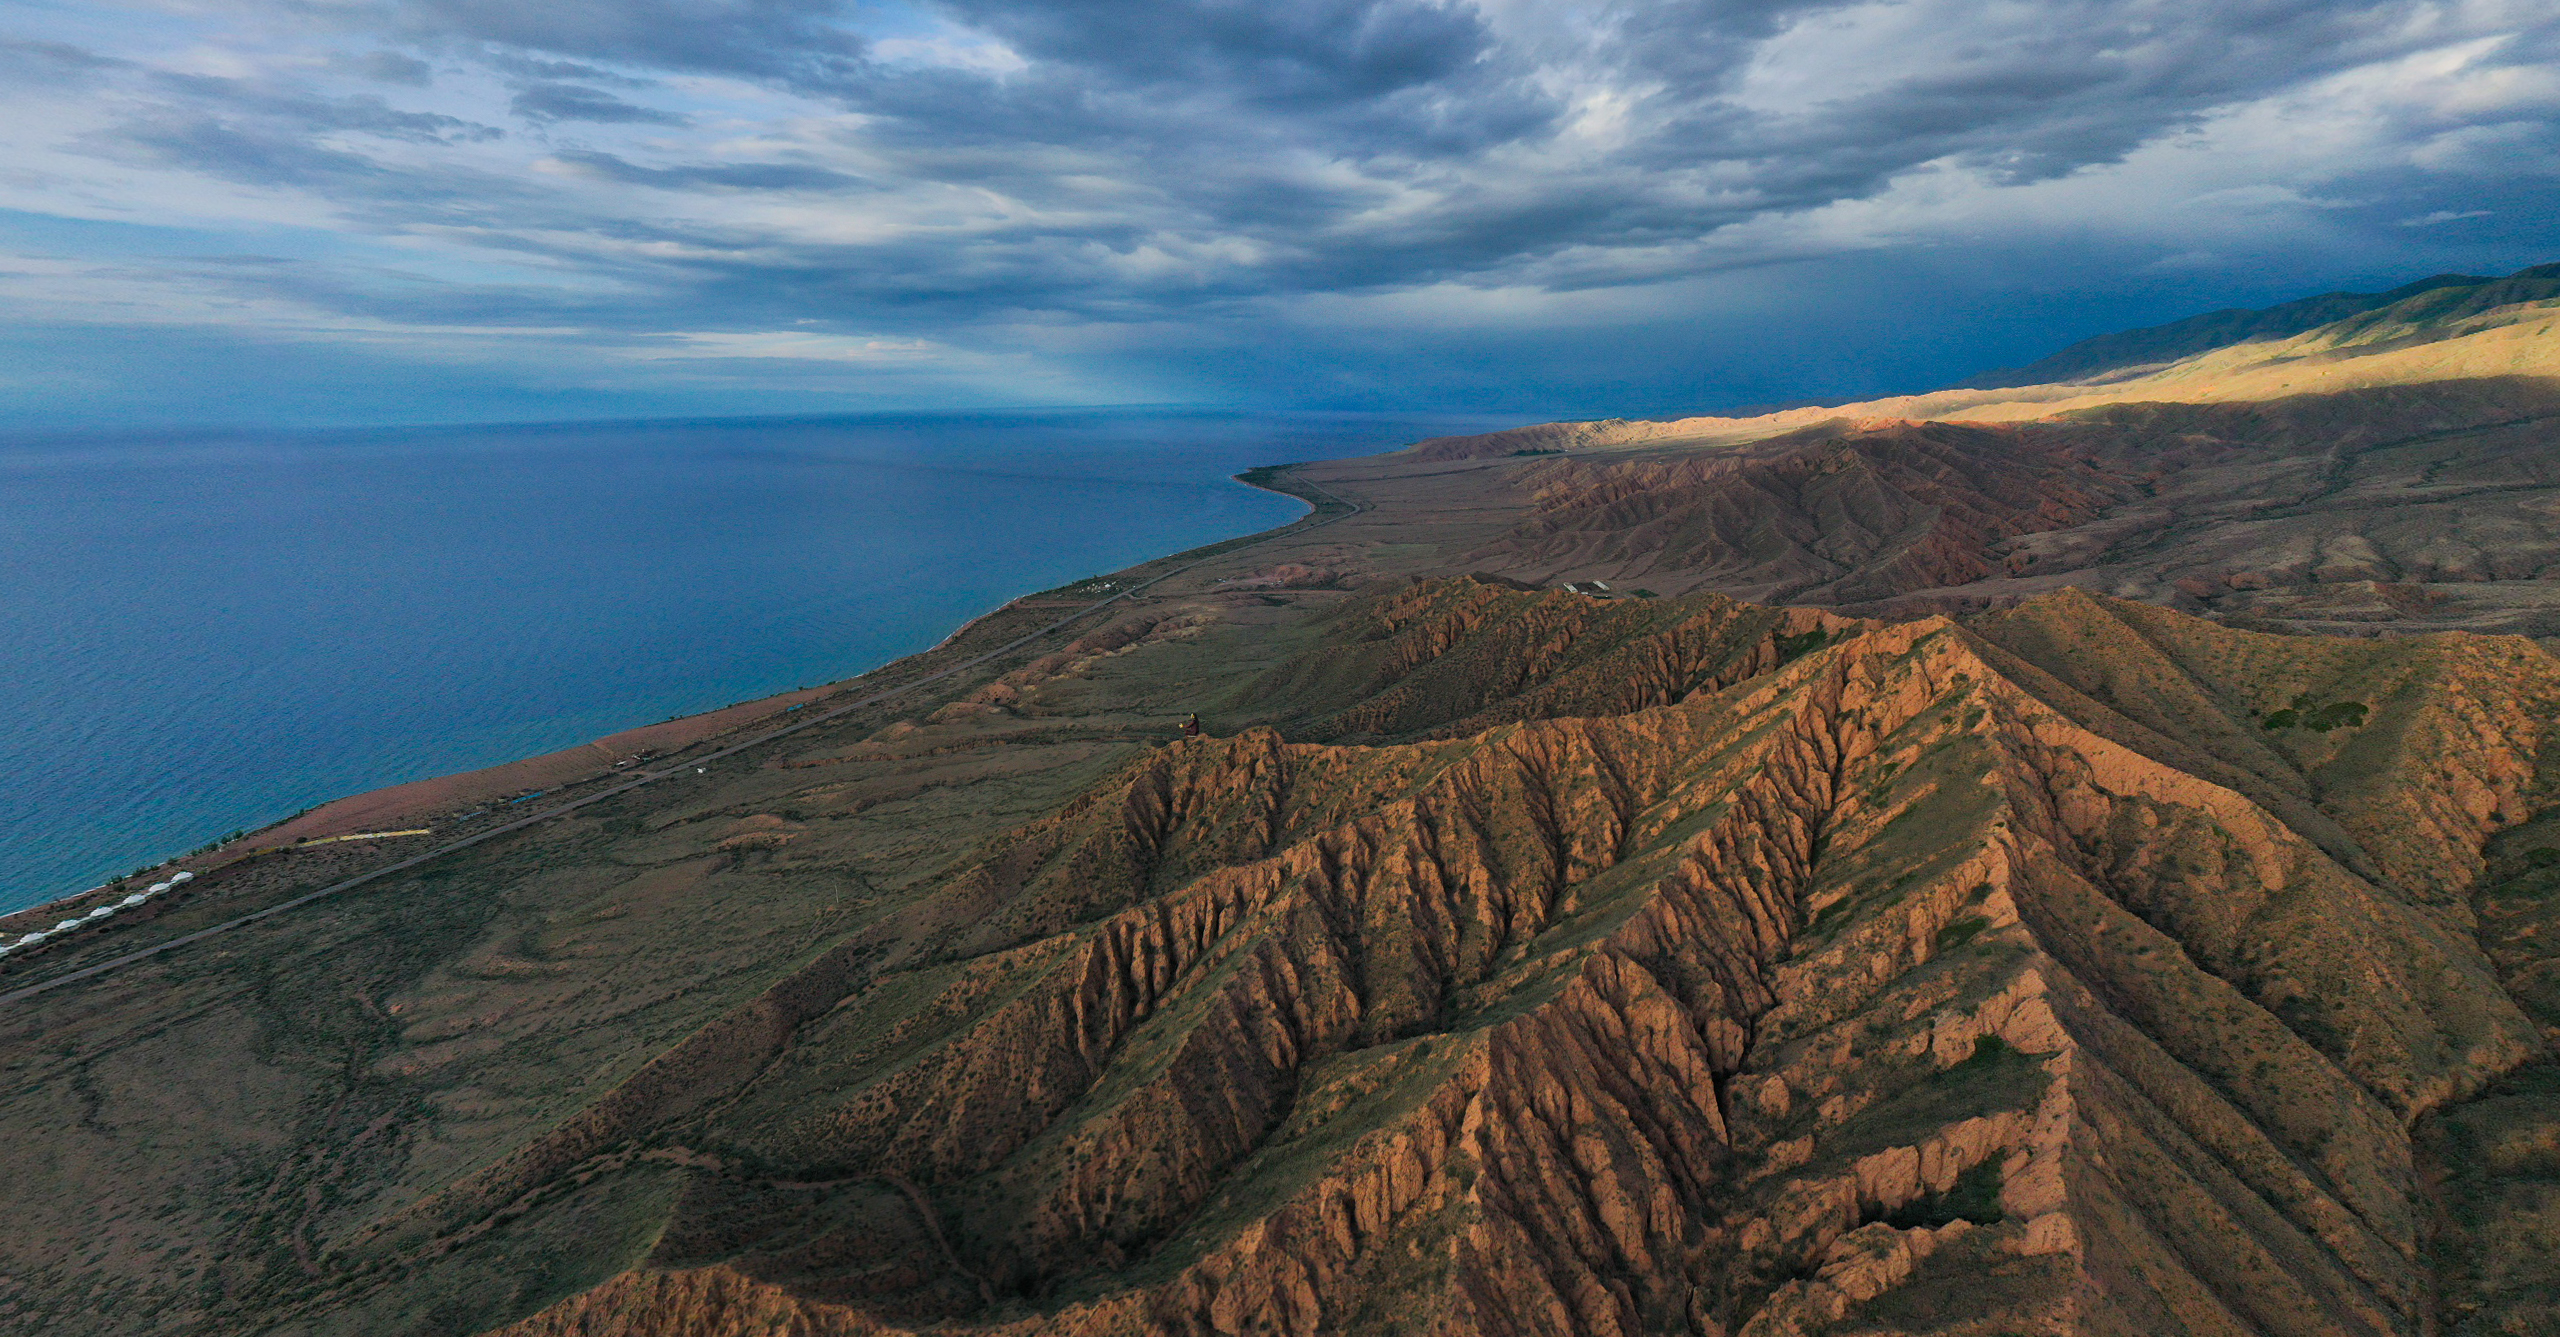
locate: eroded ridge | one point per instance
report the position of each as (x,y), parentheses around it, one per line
(1934,978)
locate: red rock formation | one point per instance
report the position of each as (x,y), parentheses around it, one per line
(1932,979)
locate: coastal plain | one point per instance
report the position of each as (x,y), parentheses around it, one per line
(2078,858)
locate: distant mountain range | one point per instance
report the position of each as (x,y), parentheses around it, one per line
(2113,354)
(2392,468)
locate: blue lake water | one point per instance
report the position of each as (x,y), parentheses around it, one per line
(208,631)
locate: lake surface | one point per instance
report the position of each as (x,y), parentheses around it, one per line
(208,631)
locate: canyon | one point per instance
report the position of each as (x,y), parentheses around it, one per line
(2074,858)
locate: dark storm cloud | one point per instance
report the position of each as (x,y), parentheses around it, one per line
(1207,106)
(1355,79)
(1454,125)
(1314,54)
(1156,163)
(2083,84)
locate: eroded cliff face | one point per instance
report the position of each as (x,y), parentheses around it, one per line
(1686,967)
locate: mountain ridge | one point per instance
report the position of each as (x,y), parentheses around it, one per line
(1940,879)
(2502,1038)
(2179,339)
(2499,319)
(2388,470)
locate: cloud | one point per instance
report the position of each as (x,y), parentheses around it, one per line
(976,55)
(573,102)
(209,145)
(298,112)
(705,176)
(51,60)
(386,67)
(805,39)
(528,67)
(1314,54)
(2445,216)
(1109,185)
(784,346)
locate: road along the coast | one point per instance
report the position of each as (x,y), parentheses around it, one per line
(694,765)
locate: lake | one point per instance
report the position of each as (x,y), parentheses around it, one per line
(206,631)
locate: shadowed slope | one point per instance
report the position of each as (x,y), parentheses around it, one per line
(1823,517)
(2432,504)
(2391,467)
(1904,985)
(1549,965)
(1455,657)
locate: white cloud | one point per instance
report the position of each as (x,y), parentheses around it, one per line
(785,345)
(953,50)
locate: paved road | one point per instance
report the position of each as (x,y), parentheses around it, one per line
(686,767)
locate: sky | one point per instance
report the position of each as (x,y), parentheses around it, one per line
(309,211)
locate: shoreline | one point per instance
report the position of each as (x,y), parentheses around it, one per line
(445,799)
(439,622)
